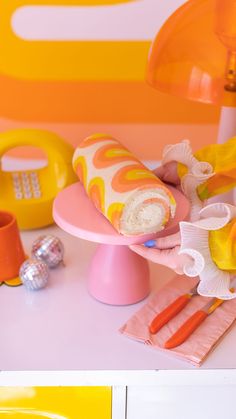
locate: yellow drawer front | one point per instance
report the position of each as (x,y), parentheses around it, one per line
(55,402)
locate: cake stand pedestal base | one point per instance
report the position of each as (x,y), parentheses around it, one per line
(118,276)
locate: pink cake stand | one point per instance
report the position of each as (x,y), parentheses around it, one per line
(117,275)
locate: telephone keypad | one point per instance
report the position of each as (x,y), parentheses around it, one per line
(19,195)
(26,185)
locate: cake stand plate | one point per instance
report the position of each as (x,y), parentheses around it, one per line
(117,275)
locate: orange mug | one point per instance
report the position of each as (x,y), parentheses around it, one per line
(11,250)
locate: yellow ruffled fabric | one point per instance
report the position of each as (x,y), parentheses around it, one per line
(222,157)
(223,247)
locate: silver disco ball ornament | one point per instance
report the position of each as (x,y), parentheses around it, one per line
(34,274)
(49,249)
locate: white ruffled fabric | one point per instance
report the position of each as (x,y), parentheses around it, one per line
(198,172)
(195,234)
(195,243)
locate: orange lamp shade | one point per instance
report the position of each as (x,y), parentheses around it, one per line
(194,54)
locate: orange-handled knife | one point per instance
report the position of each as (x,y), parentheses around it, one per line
(171,311)
(192,324)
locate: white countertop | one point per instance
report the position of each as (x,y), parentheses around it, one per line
(63,328)
(62,336)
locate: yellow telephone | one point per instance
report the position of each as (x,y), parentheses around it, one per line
(29,194)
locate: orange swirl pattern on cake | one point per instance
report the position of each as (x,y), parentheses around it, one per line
(81,170)
(96,192)
(114,214)
(111,154)
(133,176)
(129,195)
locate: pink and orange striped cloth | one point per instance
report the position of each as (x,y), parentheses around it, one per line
(130,196)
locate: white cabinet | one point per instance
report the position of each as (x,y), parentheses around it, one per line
(181,402)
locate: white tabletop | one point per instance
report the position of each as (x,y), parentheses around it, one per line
(62,336)
(63,328)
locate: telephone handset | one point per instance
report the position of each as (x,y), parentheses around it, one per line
(30,194)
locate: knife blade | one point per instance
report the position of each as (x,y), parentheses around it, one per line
(192,324)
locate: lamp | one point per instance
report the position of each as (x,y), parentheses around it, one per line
(194,56)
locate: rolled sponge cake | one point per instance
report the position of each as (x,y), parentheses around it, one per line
(129,195)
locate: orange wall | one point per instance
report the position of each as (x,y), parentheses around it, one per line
(145,140)
(80,87)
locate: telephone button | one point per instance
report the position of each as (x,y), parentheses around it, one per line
(37,194)
(18,195)
(27,195)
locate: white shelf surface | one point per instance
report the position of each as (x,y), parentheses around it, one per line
(62,336)
(63,328)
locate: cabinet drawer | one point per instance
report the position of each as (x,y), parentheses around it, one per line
(55,402)
(181,402)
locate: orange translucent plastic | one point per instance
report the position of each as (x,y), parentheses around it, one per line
(194,54)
